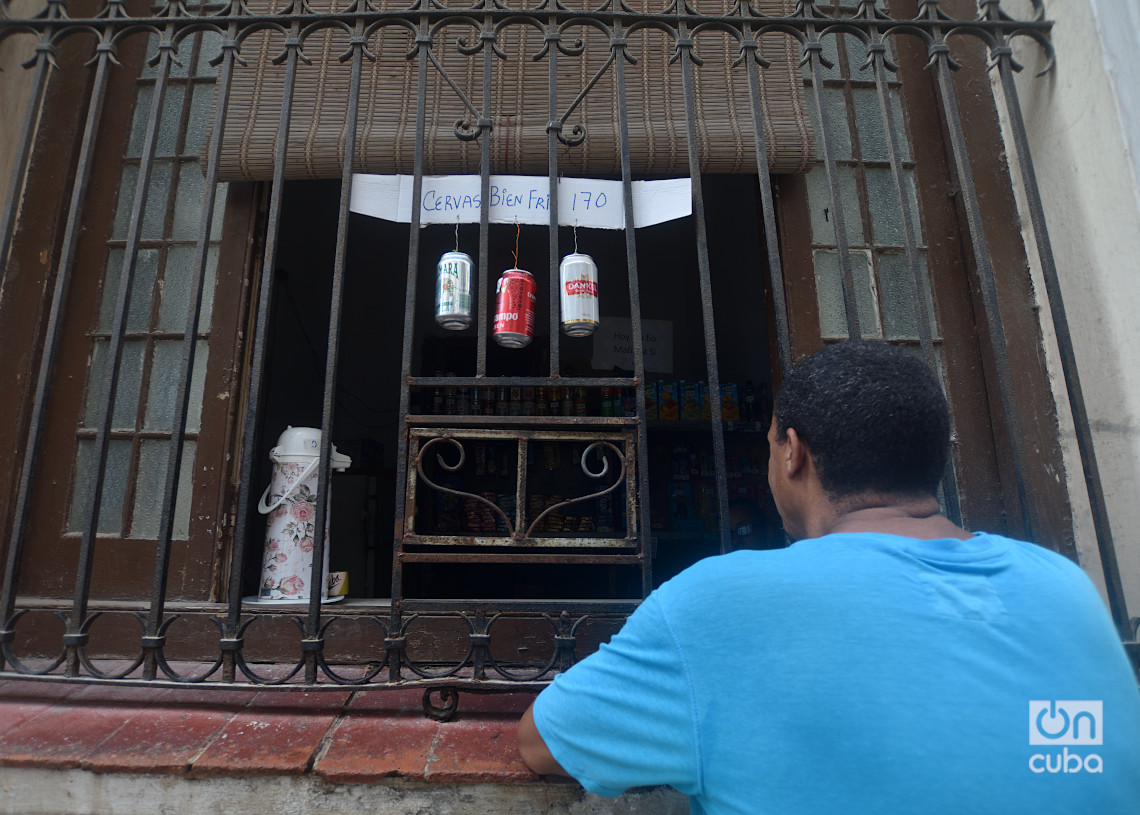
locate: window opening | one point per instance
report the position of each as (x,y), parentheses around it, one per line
(366,403)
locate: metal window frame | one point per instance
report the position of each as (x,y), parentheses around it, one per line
(424,21)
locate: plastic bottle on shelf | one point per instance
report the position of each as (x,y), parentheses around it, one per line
(580,402)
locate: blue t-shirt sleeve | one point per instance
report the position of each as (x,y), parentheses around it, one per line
(624,717)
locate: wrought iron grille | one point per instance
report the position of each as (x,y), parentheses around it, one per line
(430,28)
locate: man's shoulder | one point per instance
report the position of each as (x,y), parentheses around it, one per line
(749,570)
(1042,562)
(860,559)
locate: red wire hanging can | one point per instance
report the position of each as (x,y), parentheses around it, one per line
(514,309)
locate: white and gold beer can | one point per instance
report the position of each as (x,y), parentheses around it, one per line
(579,295)
(453,291)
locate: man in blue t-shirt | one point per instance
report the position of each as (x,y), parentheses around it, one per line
(887,662)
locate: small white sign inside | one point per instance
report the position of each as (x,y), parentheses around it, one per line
(613,345)
(585,202)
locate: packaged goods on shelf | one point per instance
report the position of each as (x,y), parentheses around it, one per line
(669,401)
(651,401)
(729,402)
(690,401)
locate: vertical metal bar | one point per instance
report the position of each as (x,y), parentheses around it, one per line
(618,44)
(553,128)
(813,54)
(632,532)
(479,641)
(423,43)
(1082,425)
(877,53)
(522,520)
(22,156)
(21,162)
(318,578)
(152,641)
(76,639)
(939,56)
(260,342)
(480,300)
(749,48)
(685,47)
(910,247)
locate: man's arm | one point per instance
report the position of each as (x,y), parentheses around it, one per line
(534,750)
(621,717)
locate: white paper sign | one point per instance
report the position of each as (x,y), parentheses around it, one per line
(585,202)
(613,345)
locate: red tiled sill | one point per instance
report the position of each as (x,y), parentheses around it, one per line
(341,736)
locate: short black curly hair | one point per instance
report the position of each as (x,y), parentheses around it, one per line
(873,417)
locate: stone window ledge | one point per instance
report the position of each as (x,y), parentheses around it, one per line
(339,736)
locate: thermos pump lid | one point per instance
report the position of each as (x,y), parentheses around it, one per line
(304,444)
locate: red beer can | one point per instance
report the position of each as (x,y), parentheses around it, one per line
(514,309)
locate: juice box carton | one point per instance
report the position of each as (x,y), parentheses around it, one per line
(690,401)
(729,402)
(628,402)
(652,402)
(668,401)
(706,402)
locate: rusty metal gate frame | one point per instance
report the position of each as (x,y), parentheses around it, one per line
(425,22)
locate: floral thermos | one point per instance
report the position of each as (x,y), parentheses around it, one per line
(290,501)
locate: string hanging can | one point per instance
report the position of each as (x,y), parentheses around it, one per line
(579,295)
(514,309)
(453,290)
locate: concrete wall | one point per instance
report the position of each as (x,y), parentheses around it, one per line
(1084,128)
(77,792)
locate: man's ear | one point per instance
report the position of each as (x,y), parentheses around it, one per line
(795,454)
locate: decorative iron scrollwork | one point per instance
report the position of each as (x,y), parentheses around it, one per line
(453,468)
(585,468)
(447,707)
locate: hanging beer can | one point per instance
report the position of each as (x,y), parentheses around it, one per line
(453,291)
(514,309)
(579,275)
